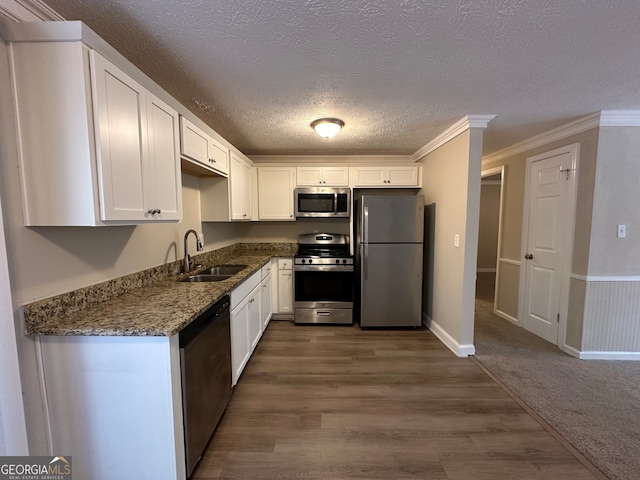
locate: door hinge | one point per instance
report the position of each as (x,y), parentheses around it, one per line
(558,318)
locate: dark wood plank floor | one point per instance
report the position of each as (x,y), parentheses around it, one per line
(338,402)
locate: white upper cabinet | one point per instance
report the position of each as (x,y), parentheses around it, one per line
(137,149)
(323,176)
(385,176)
(89,151)
(275,193)
(240,188)
(228,199)
(166,184)
(198,146)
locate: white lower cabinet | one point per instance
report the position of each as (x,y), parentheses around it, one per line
(240,351)
(115,398)
(285,285)
(266,308)
(250,315)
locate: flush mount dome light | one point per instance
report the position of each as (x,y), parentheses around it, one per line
(327,127)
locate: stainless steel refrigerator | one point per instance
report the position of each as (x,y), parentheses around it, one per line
(389,242)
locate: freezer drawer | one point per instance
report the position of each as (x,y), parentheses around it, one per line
(390,287)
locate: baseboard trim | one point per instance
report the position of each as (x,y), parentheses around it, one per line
(593,355)
(574,352)
(459,350)
(506,316)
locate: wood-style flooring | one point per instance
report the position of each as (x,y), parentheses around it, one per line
(338,402)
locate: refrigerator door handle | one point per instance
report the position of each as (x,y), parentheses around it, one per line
(365,261)
(365,224)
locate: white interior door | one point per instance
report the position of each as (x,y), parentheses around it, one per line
(547,246)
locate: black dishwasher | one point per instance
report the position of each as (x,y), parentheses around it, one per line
(205,364)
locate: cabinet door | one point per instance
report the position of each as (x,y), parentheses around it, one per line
(194,142)
(266,309)
(240,351)
(240,184)
(164,190)
(254,317)
(336,176)
(402,176)
(285,291)
(309,176)
(121,128)
(275,193)
(368,176)
(218,156)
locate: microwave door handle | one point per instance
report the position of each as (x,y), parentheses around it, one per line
(335,203)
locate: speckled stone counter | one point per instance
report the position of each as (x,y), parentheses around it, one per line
(148,303)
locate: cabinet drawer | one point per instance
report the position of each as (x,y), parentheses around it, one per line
(265,270)
(241,291)
(284,264)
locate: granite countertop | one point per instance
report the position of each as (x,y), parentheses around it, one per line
(161,307)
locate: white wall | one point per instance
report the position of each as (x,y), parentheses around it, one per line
(452,182)
(488,228)
(13,431)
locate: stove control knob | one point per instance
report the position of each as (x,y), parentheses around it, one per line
(310,261)
(304,261)
(344,261)
(337,261)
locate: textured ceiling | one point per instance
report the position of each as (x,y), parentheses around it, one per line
(397,72)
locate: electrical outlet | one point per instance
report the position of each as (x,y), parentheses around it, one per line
(622,231)
(456,240)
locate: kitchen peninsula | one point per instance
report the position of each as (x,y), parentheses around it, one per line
(110,363)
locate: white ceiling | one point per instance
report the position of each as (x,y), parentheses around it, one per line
(397,72)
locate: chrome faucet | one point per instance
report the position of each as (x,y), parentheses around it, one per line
(187,259)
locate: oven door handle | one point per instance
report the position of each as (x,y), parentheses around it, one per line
(323,268)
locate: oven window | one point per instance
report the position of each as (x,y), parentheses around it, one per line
(315,203)
(324,286)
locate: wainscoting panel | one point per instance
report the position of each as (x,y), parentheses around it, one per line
(612,316)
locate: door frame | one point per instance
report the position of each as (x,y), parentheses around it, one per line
(565,272)
(502,169)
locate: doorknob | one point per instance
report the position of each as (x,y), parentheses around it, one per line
(528,256)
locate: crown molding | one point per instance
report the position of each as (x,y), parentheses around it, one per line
(333,159)
(28,11)
(605,118)
(462,125)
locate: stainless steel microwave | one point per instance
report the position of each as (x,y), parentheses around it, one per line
(328,202)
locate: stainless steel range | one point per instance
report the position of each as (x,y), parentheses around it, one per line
(323,279)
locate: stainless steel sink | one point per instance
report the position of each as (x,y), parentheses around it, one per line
(226,269)
(206,277)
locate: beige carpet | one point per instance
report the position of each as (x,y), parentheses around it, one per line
(594,405)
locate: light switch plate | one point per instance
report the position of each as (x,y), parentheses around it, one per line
(456,240)
(622,231)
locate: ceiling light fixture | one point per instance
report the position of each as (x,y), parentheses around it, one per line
(327,127)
